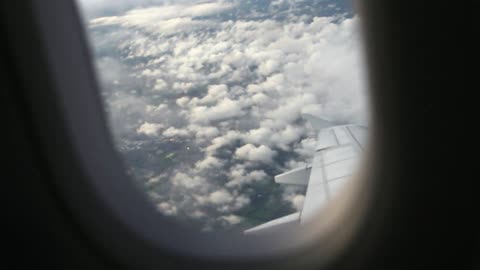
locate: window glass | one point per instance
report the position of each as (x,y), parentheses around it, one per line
(208,101)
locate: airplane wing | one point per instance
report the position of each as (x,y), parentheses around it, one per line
(336,155)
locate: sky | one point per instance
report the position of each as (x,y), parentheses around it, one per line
(205,98)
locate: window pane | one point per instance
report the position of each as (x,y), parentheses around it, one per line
(209,100)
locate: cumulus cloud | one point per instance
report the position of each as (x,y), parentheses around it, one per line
(220,197)
(175,132)
(204,132)
(166,19)
(142,17)
(189,182)
(99,8)
(149,129)
(166,208)
(293,197)
(160,85)
(240,176)
(251,152)
(208,163)
(296,201)
(224,109)
(231,219)
(183,101)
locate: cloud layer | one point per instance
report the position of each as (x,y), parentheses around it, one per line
(206,106)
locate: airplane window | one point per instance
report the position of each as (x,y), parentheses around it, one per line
(233,115)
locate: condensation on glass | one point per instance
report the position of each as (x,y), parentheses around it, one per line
(233,115)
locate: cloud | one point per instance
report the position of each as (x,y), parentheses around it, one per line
(225,139)
(166,208)
(160,85)
(183,101)
(224,109)
(189,182)
(231,219)
(296,200)
(220,197)
(209,163)
(99,8)
(175,132)
(166,19)
(253,153)
(240,176)
(149,129)
(182,86)
(204,132)
(215,93)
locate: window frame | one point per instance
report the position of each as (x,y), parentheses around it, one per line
(86,172)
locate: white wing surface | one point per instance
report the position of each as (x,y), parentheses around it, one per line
(337,152)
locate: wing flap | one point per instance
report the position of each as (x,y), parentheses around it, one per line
(276,224)
(298,176)
(317,123)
